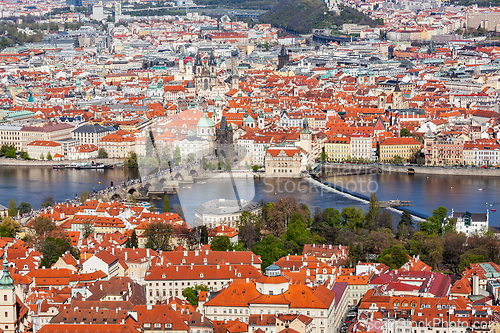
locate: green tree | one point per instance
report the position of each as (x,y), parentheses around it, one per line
(470,258)
(49,156)
(166,204)
(277,215)
(132,241)
(385,220)
(255,168)
(404,132)
(87,229)
(24,155)
(12,211)
(221,243)
(353,218)
(24,208)
(158,236)
(270,249)
(102,153)
(428,247)
(4,43)
(191,294)
(47,201)
(405,225)
(297,234)
(397,159)
(43,226)
(150,144)
(432,225)
(191,157)
(8,151)
(455,246)
(323,157)
(41,157)
(198,236)
(132,161)
(227,165)
(373,212)
(4,232)
(177,155)
(11,226)
(84,196)
(394,257)
(249,229)
(53,248)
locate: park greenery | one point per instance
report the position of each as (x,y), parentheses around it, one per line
(158,236)
(29,30)
(286,225)
(10,151)
(51,240)
(302,16)
(166,204)
(191,293)
(101,153)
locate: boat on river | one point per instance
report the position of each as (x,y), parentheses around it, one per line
(94,166)
(59,166)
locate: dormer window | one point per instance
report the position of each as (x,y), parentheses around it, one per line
(201,275)
(147,325)
(163,276)
(157,326)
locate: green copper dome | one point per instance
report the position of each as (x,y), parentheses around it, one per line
(206,122)
(6,281)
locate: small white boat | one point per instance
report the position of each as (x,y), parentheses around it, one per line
(479,189)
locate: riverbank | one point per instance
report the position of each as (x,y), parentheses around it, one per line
(443,171)
(344,169)
(14,162)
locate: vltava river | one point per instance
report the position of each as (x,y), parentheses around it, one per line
(31,184)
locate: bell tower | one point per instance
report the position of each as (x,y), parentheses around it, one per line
(8,313)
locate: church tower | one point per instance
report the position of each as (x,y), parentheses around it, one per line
(359,76)
(283,57)
(217,114)
(306,137)
(260,120)
(371,76)
(235,79)
(397,97)
(8,313)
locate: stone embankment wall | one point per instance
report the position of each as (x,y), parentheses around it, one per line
(346,169)
(15,162)
(444,171)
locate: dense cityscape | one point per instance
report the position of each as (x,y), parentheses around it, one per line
(216,166)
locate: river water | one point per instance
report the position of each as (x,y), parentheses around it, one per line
(31,184)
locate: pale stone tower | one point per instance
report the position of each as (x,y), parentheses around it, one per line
(8,314)
(306,137)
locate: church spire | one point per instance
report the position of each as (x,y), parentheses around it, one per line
(6,281)
(305,127)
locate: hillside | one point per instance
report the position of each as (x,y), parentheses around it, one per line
(302,16)
(239,4)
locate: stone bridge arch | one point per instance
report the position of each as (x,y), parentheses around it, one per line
(116,197)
